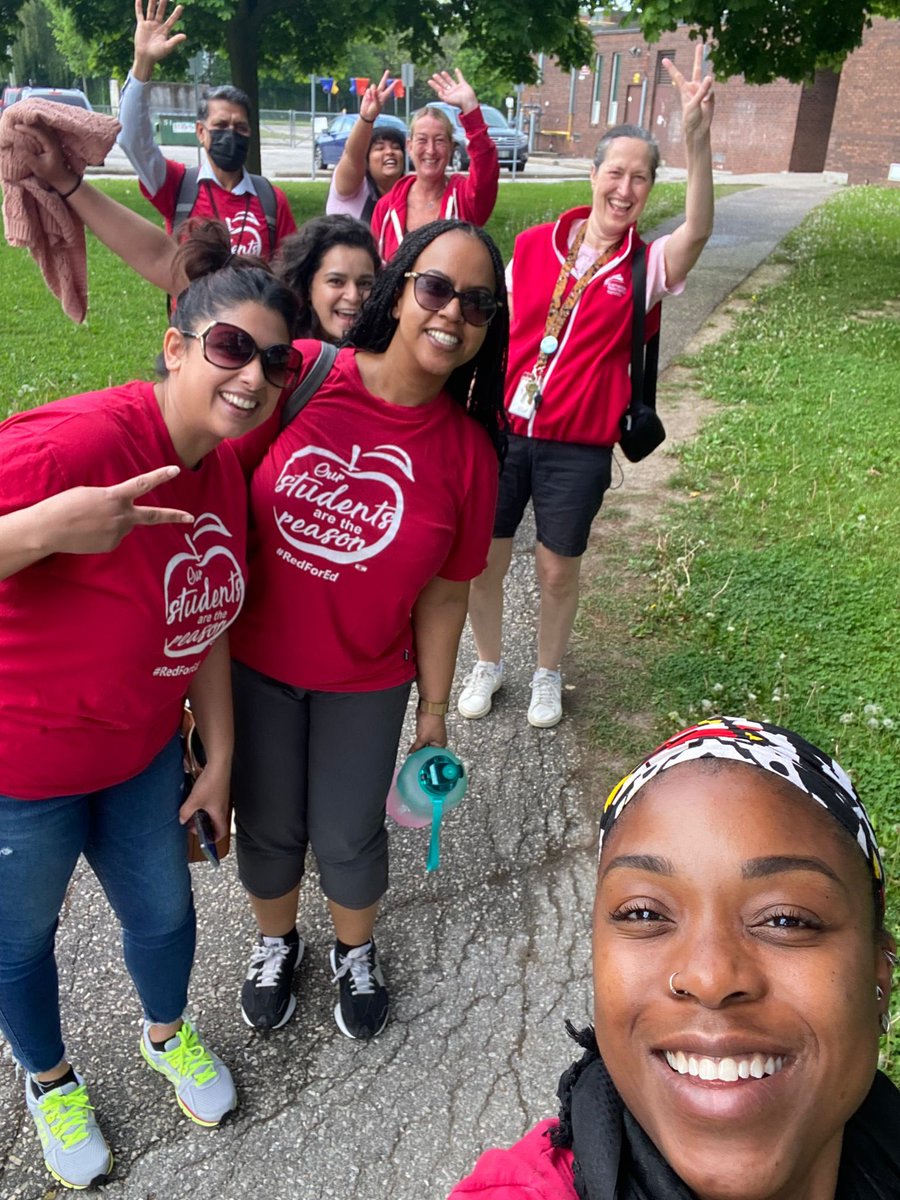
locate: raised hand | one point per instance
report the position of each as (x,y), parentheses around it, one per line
(697,98)
(153,37)
(94,520)
(375,97)
(454,91)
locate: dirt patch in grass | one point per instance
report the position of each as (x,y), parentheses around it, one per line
(607,667)
(891,308)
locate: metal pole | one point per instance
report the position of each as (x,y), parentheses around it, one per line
(312,126)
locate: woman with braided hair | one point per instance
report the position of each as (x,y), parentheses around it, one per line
(742,978)
(370,513)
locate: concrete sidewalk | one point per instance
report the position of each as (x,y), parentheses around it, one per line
(485,959)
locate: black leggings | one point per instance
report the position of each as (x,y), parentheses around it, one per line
(313,769)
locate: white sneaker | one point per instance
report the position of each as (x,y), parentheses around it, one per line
(546,699)
(483,680)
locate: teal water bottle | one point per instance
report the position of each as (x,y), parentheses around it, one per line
(430,782)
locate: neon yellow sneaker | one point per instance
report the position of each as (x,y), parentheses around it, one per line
(75,1151)
(203,1084)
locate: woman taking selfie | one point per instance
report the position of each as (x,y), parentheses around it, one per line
(742,977)
(122,546)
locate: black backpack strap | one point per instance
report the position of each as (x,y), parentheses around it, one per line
(644,359)
(186,198)
(189,189)
(267,199)
(310,384)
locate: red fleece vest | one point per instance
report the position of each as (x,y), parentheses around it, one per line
(586,386)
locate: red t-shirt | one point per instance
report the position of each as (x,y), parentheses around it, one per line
(98,650)
(355,507)
(243,214)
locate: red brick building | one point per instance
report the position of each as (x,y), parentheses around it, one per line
(847,122)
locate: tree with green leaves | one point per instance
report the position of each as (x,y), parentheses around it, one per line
(765,40)
(35,56)
(306,36)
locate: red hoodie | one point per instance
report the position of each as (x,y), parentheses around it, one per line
(466,197)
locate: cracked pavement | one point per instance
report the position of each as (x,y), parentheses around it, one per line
(485,959)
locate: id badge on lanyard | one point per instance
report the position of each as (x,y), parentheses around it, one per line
(526,398)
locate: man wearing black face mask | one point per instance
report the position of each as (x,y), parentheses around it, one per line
(257,214)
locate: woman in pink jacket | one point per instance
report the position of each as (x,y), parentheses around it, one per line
(742,977)
(430,194)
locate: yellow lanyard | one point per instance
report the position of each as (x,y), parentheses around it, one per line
(559,310)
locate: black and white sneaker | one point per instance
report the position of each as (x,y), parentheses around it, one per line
(362,1007)
(267,1001)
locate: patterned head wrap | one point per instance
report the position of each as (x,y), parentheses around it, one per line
(776,750)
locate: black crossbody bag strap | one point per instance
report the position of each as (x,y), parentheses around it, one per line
(644,359)
(311,384)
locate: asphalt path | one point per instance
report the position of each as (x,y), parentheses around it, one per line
(485,958)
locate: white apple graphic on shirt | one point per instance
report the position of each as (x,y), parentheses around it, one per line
(343,486)
(203,590)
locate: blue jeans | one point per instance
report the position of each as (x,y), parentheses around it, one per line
(136,847)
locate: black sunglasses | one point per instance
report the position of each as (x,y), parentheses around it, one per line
(230,347)
(434,292)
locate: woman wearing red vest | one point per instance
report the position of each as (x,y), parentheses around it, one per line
(568,385)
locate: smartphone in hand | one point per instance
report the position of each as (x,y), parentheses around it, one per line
(203,828)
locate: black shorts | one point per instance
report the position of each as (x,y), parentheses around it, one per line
(565,482)
(313,769)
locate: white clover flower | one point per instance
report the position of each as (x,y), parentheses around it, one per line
(717,688)
(846,718)
(751,696)
(887,723)
(706,705)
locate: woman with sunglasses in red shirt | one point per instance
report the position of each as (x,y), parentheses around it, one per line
(370,513)
(122,565)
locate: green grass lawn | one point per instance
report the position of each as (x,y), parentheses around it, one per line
(794,531)
(775,589)
(45,355)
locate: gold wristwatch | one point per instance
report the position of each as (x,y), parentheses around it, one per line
(433,708)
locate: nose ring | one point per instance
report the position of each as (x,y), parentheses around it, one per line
(673,989)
